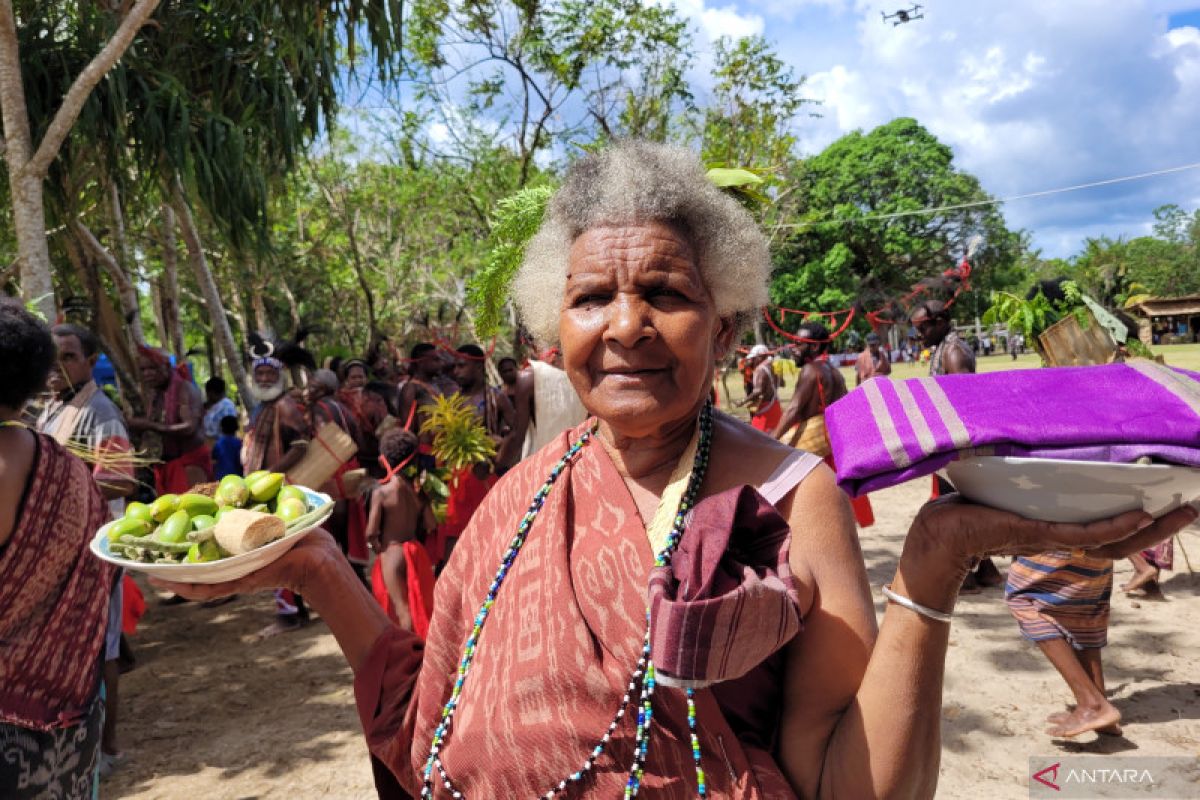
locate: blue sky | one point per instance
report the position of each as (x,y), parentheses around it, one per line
(1031,94)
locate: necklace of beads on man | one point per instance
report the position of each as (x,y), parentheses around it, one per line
(642,679)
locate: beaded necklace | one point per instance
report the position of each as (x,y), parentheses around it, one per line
(642,678)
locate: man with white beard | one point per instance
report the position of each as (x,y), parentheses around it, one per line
(278,433)
(276,441)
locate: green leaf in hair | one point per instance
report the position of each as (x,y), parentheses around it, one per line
(514,222)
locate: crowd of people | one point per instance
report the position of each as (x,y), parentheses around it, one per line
(661,584)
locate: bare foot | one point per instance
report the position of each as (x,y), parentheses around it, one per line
(1058,717)
(1141,580)
(282,624)
(1104,717)
(987,575)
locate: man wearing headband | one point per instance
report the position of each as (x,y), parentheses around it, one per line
(763,398)
(171,429)
(277,437)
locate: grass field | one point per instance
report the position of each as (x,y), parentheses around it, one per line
(1186,356)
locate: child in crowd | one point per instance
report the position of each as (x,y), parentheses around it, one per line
(227,452)
(402,575)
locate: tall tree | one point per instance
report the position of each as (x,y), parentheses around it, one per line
(29,158)
(864,230)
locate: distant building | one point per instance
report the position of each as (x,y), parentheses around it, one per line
(1168,320)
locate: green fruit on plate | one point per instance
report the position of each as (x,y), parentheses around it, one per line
(201,552)
(175,529)
(203,521)
(266,487)
(127,527)
(261,508)
(164,506)
(294,492)
(136,510)
(291,509)
(197,505)
(232,491)
(258,473)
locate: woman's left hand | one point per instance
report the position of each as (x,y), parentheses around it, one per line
(954,532)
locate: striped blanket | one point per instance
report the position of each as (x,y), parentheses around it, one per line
(1058,595)
(888,432)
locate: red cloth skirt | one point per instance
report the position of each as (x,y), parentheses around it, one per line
(769,418)
(419,584)
(356,517)
(171,477)
(466,494)
(133,605)
(863,513)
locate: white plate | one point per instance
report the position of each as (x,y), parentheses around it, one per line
(225,569)
(1073,491)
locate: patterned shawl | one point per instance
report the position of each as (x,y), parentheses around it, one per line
(53,597)
(554,660)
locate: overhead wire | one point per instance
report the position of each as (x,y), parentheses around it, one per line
(992,202)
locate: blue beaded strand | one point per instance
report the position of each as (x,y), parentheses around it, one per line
(643,675)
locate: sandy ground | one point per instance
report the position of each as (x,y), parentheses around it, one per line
(210,714)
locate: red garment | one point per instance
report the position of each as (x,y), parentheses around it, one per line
(864,514)
(769,418)
(133,606)
(171,477)
(53,596)
(466,494)
(553,662)
(356,517)
(419,582)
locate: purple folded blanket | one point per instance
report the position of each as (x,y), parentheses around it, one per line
(887,432)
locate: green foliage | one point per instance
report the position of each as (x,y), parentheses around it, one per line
(850,236)
(459,438)
(756,98)
(514,222)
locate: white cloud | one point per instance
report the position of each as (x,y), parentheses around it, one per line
(715,22)
(1031,95)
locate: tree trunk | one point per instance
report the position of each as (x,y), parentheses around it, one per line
(262,320)
(106,324)
(172,311)
(293,309)
(26,167)
(208,289)
(126,291)
(160,321)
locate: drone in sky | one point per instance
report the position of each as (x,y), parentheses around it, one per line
(903,15)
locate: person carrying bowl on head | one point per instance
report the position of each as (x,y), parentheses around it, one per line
(663,599)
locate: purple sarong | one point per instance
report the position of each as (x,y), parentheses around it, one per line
(888,432)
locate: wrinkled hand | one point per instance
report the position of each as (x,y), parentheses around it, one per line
(292,571)
(958,532)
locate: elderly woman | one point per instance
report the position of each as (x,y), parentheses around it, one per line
(663,598)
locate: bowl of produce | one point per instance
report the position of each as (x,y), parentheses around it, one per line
(1057,490)
(245,524)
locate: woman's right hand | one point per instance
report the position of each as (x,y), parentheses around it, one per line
(293,570)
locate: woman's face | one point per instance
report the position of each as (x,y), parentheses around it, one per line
(639,330)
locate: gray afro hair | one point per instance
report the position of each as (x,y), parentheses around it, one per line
(636,182)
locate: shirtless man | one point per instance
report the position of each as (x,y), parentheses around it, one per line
(763,400)
(397,515)
(803,422)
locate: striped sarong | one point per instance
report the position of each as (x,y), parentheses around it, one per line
(888,432)
(1058,595)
